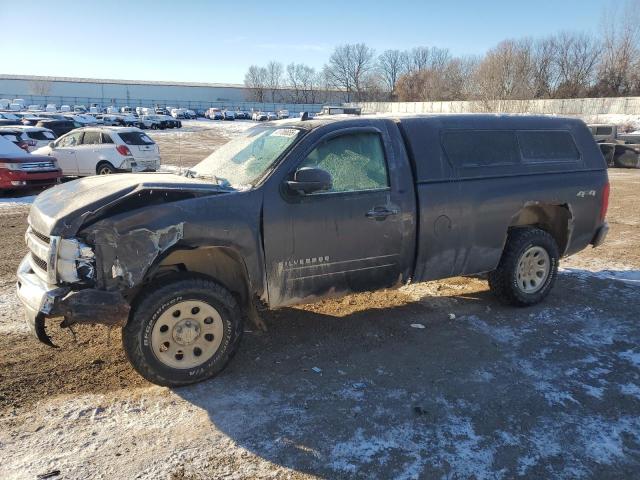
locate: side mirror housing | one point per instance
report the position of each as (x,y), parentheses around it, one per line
(310,180)
(52,145)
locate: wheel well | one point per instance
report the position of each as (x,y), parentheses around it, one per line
(556,220)
(221,264)
(103,162)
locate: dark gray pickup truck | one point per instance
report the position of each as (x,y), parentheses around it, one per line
(294,211)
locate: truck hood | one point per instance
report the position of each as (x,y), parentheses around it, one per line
(64,209)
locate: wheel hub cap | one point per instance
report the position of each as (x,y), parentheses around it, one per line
(187,334)
(534,267)
(186,331)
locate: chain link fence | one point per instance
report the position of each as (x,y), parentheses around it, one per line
(43,100)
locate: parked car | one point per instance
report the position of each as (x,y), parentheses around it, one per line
(14,136)
(108,119)
(214,113)
(104,150)
(153,122)
(271,116)
(79,109)
(19,169)
(127,120)
(8,118)
(65,108)
(32,137)
(32,119)
(170,121)
(228,115)
(84,120)
(282,114)
(58,127)
(51,107)
(259,116)
(126,110)
(408,199)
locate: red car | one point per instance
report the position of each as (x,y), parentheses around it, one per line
(19,169)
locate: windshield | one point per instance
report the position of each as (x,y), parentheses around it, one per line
(245,160)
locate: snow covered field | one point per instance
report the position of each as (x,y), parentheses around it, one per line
(348,388)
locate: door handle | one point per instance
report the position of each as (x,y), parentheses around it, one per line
(380,213)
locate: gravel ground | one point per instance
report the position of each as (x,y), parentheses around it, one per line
(433,380)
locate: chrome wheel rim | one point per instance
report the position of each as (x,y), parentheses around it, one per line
(534,267)
(187,334)
(105,171)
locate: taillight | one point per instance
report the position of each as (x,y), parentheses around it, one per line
(605,202)
(123,150)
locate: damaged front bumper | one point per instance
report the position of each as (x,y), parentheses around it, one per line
(42,301)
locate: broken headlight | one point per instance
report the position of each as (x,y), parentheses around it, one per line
(76,261)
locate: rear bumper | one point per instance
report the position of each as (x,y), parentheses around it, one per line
(41,301)
(600,235)
(12,179)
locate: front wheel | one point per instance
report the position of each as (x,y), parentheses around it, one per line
(528,267)
(183,332)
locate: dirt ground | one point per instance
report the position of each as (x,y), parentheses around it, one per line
(435,380)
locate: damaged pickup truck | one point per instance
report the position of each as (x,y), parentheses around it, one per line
(294,211)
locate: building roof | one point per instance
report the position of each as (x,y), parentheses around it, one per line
(38,78)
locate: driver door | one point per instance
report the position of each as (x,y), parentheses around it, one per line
(352,237)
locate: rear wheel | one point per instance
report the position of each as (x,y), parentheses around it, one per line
(105,168)
(183,332)
(528,267)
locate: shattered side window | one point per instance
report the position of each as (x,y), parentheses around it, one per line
(356,162)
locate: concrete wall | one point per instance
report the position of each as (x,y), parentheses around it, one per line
(574,106)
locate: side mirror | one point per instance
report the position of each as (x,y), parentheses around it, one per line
(52,145)
(309,180)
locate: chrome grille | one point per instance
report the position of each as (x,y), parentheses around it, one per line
(40,263)
(44,254)
(38,166)
(41,236)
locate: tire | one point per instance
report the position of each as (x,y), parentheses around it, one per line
(521,278)
(145,335)
(154,126)
(105,168)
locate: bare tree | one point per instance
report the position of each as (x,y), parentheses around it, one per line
(506,72)
(348,67)
(620,50)
(544,71)
(391,64)
(576,59)
(274,79)
(256,81)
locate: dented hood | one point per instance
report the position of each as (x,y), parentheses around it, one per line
(63,209)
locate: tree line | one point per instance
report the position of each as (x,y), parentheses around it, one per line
(564,65)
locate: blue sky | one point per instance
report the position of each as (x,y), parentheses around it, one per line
(211,41)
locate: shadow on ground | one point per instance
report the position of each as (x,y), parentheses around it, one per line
(552,390)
